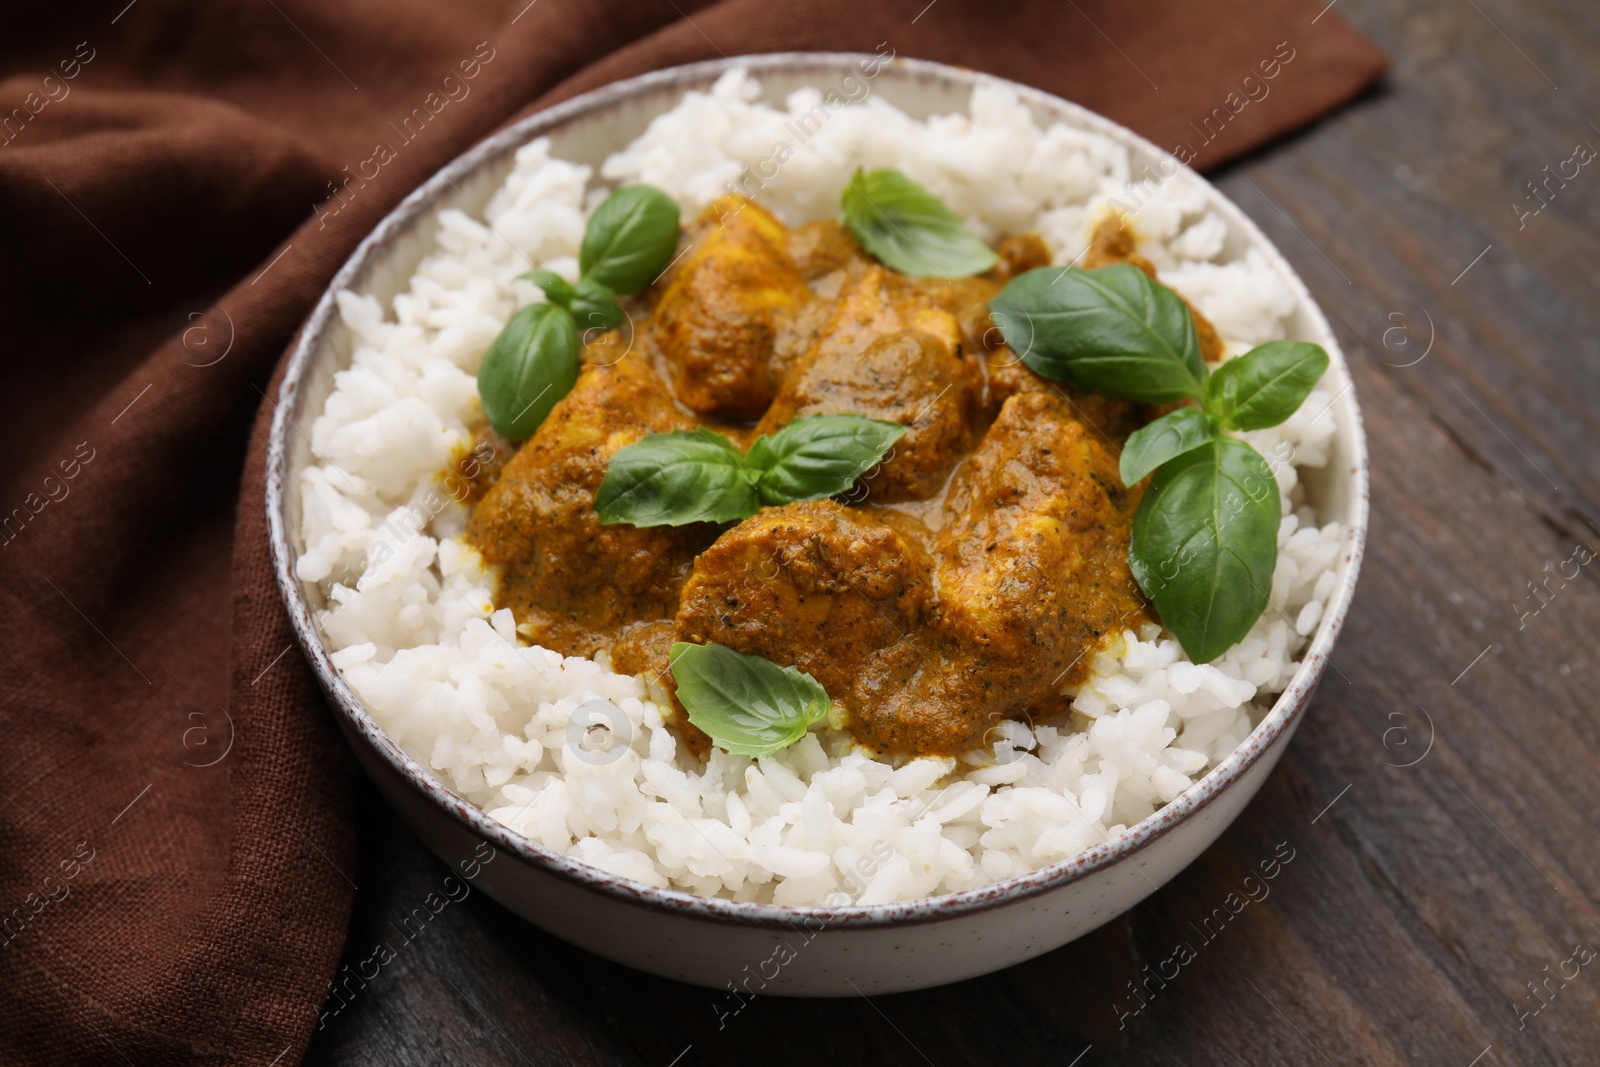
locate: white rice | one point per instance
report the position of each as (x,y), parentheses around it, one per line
(413,629)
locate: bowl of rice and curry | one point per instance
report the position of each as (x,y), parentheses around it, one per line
(831,523)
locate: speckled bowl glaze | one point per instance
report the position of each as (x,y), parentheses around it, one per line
(766,948)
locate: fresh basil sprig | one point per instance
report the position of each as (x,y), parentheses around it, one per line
(1205,538)
(1205,542)
(528,367)
(1166,438)
(819,455)
(908,229)
(534,361)
(595,307)
(557,289)
(629,238)
(669,479)
(1266,386)
(1113,330)
(747,704)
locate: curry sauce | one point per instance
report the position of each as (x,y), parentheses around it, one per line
(964,581)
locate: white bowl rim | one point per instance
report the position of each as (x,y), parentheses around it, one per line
(1285,712)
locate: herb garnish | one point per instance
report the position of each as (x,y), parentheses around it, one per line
(629,238)
(908,229)
(528,367)
(1266,385)
(534,361)
(1166,438)
(1114,330)
(747,704)
(1205,539)
(1205,543)
(669,479)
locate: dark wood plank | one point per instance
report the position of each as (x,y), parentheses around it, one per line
(1441,800)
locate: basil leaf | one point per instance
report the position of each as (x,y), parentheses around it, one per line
(1265,385)
(629,239)
(1205,542)
(532,364)
(908,229)
(669,479)
(1166,438)
(748,705)
(595,307)
(1111,330)
(557,289)
(819,455)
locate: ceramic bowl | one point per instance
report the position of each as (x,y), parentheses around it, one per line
(721,943)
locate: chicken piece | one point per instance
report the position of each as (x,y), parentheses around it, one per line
(1002,373)
(1018,255)
(889,352)
(571,583)
(1111,419)
(908,377)
(814,585)
(828,258)
(1034,566)
(877,302)
(1113,242)
(822,247)
(968,298)
(1032,575)
(642,649)
(724,309)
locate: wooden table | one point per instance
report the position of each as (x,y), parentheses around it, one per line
(1441,798)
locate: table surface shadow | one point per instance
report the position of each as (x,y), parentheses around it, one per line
(1441,797)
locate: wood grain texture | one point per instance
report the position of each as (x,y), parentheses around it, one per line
(1423,901)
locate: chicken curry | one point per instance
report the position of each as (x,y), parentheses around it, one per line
(965,580)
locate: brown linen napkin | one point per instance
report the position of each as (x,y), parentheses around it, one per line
(176,855)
